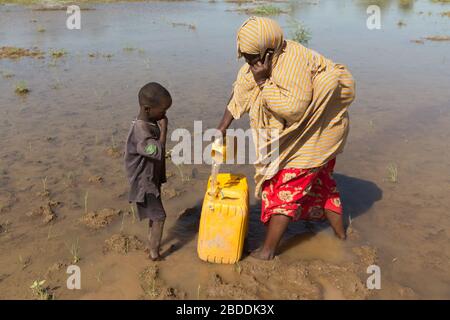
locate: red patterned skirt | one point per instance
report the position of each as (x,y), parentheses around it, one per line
(301,194)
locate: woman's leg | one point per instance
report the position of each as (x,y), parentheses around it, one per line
(277,226)
(337,223)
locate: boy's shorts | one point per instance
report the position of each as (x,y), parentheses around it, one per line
(151,208)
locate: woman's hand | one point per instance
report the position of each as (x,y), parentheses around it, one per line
(262,71)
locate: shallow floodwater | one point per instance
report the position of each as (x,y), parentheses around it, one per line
(79,105)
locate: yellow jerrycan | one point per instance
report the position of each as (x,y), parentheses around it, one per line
(224,219)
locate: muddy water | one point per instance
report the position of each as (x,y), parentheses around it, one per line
(79,106)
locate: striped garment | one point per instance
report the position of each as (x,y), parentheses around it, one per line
(305,99)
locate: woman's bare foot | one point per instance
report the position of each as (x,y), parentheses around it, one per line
(277,226)
(262,254)
(336,223)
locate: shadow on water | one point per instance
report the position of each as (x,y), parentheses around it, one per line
(184,229)
(357,195)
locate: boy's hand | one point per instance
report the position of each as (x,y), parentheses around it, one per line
(163,124)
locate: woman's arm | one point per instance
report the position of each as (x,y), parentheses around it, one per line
(226,119)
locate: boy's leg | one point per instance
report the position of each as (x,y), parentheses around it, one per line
(157,216)
(155,235)
(277,226)
(337,223)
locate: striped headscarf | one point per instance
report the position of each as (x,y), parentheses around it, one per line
(256,35)
(305,100)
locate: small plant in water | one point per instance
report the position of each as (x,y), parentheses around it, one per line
(21,88)
(4,227)
(199,288)
(266,10)
(6,74)
(24,262)
(113,142)
(299,32)
(392,173)
(44,185)
(70,179)
(238,267)
(183,177)
(133,214)
(49,233)
(45,192)
(148,282)
(75,252)
(401,23)
(58,53)
(129,49)
(99,277)
(121,226)
(86,195)
(113,150)
(41,292)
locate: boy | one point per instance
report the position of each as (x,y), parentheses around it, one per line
(145,160)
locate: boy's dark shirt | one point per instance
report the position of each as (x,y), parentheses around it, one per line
(144,160)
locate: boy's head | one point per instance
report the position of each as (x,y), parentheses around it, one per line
(154,100)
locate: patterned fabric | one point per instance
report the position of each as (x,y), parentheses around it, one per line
(302,194)
(305,101)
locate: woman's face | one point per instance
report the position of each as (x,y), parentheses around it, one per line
(251,59)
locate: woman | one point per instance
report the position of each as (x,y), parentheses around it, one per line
(286,87)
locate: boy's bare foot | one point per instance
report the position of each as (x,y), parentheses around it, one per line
(262,254)
(336,223)
(155,256)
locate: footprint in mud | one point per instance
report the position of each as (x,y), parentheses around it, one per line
(114,152)
(45,211)
(55,268)
(4,227)
(154,287)
(43,194)
(169,193)
(7,200)
(96,179)
(266,281)
(100,218)
(247,288)
(312,279)
(3,276)
(122,244)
